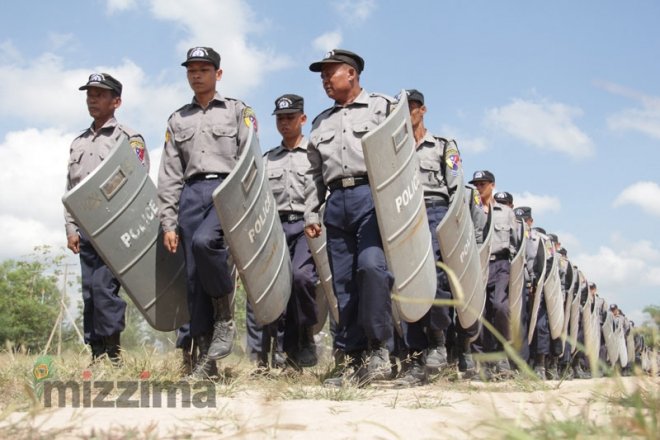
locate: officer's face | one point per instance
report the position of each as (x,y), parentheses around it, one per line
(417,111)
(101,103)
(290,124)
(337,80)
(485,188)
(202,76)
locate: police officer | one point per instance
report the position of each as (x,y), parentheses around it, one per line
(286,166)
(441,173)
(202,144)
(103,309)
(361,280)
(504,198)
(504,245)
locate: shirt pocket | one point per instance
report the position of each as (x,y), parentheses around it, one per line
(325,143)
(76,165)
(362,128)
(429,170)
(184,134)
(224,136)
(276,180)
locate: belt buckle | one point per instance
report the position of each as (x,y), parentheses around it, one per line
(211,176)
(291,218)
(347,182)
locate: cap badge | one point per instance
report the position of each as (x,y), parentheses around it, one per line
(478,175)
(96,77)
(330,54)
(284,103)
(198,52)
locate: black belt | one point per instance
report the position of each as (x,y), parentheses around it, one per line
(206,176)
(499,256)
(348,182)
(291,217)
(433,203)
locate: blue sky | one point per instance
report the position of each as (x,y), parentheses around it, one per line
(560,100)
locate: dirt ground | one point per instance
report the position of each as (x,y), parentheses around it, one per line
(443,409)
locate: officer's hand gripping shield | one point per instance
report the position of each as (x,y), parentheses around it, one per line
(116,207)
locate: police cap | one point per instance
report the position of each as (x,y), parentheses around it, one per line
(482,176)
(415,95)
(503,197)
(523,212)
(339,56)
(205,54)
(289,103)
(102,81)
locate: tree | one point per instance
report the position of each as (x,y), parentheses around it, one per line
(29,299)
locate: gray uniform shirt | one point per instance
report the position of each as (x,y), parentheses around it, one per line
(335,145)
(504,230)
(88,150)
(479,217)
(287,176)
(200,141)
(440,167)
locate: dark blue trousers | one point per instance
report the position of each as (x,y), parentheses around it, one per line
(360,277)
(541,341)
(301,308)
(205,252)
(437,318)
(103,309)
(497,306)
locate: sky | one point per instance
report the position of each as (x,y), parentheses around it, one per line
(560,100)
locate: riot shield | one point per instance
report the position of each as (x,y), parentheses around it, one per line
(116,207)
(317,246)
(554,299)
(574,325)
(620,333)
(630,346)
(484,248)
(538,291)
(458,247)
(568,299)
(516,284)
(591,325)
(321,307)
(248,215)
(394,177)
(611,339)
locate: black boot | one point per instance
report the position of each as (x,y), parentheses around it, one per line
(465,361)
(206,367)
(436,356)
(98,349)
(306,355)
(113,348)
(224,330)
(189,359)
(539,366)
(551,371)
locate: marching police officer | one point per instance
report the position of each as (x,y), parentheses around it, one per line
(202,144)
(286,166)
(361,280)
(504,245)
(103,309)
(440,170)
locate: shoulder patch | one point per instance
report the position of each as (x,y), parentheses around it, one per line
(138,145)
(250,118)
(477,198)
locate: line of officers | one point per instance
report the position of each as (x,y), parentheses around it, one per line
(203,142)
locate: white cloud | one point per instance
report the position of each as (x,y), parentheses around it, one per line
(32,212)
(646,195)
(539,203)
(113,6)
(645,119)
(225,26)
(627,273)
(543,124)
(465,144)
(327,41)
(355,10)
